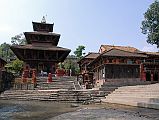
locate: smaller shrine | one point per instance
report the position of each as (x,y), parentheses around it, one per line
(119,63)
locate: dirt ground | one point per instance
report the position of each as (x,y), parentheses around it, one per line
(109,112)
(35,110)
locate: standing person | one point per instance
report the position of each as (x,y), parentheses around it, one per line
(70,72)
(42,73)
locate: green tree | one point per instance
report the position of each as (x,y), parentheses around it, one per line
(150,24)
(79,51)
(18,40)
(71,63)
(5,51)
(17,65)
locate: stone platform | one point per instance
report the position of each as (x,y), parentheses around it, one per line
(139,95)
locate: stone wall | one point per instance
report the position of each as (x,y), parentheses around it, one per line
(6,80)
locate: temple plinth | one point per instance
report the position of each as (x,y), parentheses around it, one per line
(41,51)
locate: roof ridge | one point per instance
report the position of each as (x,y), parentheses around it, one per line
(123,50)
(94,52)
(118,46)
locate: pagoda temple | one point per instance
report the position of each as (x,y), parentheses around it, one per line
(41,51)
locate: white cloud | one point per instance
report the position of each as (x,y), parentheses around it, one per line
(150,49)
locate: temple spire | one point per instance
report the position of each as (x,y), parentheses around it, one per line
(43,20)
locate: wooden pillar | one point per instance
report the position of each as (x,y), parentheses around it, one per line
(24,52)
(152,76)
(142,72)
(37,54)
(57,54)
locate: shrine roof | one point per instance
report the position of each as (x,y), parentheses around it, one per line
(90,55)
(42,33)
(152,53)
(121,53)
(43,23)
(125,48)
(43,26)
(114,52)
(32,47)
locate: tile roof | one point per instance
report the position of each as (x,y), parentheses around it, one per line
(121,53)
(125,48)
(31,47)
(90,55)
(152,53)
(42,23)
(114,52)
(41,33)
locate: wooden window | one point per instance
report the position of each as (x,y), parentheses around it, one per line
(129,61)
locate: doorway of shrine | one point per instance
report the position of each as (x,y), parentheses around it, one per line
(148,76)
(155,76)
(152,76)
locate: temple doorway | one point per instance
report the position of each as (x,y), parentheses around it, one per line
(155,77)
(148,76)
(40,67)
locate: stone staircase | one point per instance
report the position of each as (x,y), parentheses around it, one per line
(60,95)
(62,89)
(65,89)
(26,94)
(68,83)
(111,84)
(140,95)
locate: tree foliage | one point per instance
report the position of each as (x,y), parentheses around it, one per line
(17,65)
(71,63)
(150,24)
(79,51)
(5,51)
(18,40)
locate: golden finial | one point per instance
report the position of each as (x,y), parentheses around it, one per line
(43,20)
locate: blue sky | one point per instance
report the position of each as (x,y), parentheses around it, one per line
(80,22)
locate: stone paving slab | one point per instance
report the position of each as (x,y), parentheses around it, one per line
(100,114)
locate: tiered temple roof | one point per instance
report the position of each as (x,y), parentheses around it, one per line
(41,46)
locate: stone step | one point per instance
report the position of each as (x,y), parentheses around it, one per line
(67,96)
(62,87)
(55,79)
(54,85)
(53,88)
(133,94)
(137,90)
(71,85)
(134,98)
(57,82)
(142,86)
(134,103)
(140,95)
(108,88)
